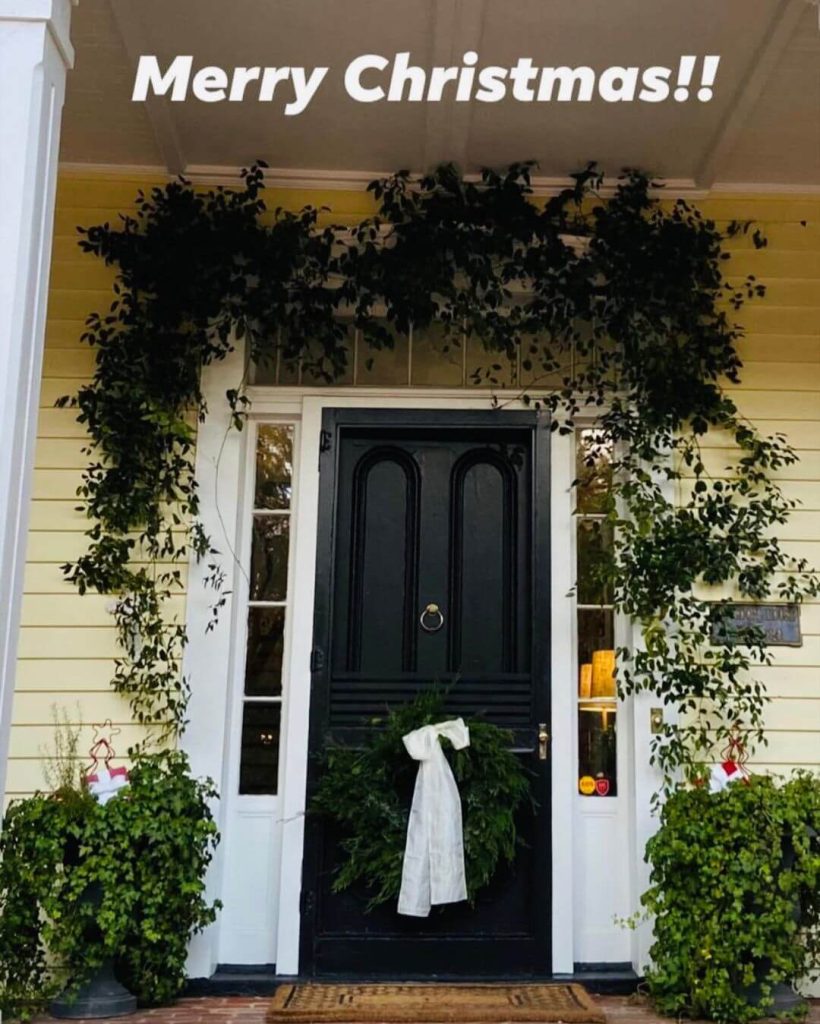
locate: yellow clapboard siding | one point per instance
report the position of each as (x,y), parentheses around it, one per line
(69,362)
(803,523)
(62,546)
(719,463)
(64,334)
(74,304)
(47,578)
(785,377)
(52,390)
(60,453)
(68,642)
(79,610)
(82,271)
(795,291)
(63,678)
(68,219)
(808,655)
(783,682)
(59,423)
(792,208)
(75,191)
(784,715)
(779,348)
(802,435)
(764,318)
(56,483)
(33,741)
(791,747)
(79,674)
(788,406)
(79,707)
(772,264)
(790,236)
(57,515)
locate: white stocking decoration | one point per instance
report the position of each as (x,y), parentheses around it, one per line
(433,869)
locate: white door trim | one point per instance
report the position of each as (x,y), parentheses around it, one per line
(223,461)
(297,711)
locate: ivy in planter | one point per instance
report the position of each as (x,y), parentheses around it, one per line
(735,894)
(367,793)
(147,849)
(633,326)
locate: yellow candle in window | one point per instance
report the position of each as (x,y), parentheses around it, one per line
(585,681)
(603,674)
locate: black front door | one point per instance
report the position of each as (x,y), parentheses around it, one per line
(446,509)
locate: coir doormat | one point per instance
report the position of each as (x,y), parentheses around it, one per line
(432,1004)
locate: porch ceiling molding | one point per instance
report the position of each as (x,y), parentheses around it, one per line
(457,28)
(158,108)
(354,181)
(749,90)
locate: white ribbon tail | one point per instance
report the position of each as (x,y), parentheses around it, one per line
(433,868)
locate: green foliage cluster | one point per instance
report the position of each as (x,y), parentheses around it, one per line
(735,891)
(81,882)
(617,308)
(367,793)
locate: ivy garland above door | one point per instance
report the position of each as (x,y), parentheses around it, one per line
(617,307)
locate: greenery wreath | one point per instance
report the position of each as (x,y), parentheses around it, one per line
(367,793)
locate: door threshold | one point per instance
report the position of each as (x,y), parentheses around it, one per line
(262,980)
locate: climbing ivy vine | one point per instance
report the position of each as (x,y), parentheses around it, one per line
(619,308)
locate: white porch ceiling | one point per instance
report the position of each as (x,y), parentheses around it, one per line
(761,130)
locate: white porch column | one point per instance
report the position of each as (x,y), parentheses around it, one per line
(35,53)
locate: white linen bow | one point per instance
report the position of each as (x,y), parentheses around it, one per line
(433,869)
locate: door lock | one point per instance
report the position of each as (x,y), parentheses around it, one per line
(543,740)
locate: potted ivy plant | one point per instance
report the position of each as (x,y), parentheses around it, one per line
(118,886)
(735,895)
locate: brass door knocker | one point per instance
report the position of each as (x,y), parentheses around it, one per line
(434,613)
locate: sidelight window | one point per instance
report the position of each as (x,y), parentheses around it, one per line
(267,609)
(597,696)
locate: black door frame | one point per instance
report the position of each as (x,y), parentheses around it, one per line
(333,421)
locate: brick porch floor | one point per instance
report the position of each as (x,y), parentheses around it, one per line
(251,1010)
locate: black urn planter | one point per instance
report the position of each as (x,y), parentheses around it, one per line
(783,997)
(102,995)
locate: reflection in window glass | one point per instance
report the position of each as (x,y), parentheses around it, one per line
(266,640)
(269,558)
(597,693)
(594,548)
(593,469)
(259,763)
(274,467)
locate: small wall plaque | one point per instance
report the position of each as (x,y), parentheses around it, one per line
(779,624)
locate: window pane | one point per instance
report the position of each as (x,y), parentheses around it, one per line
(593,469)
(260,748)
(595,632)
(269,558)
(263,668)
(594,547)
(595,647)
(596,750)
(274,466)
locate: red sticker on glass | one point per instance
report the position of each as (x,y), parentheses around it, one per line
(602,787)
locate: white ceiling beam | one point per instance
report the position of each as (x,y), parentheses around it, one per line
(158,108)
(749,90)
